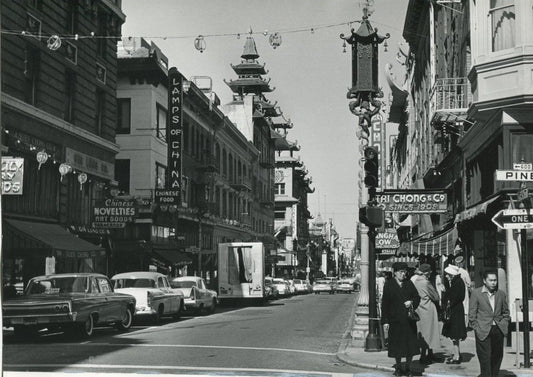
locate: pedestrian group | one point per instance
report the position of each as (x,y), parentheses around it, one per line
(411,308)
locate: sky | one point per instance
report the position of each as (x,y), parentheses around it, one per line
(309,70)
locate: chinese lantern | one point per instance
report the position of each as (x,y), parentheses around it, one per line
(42,157)
(64,169)
(82,178)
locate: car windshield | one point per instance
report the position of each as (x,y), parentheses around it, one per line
(182,284)
(53,285)
(322,282)
(279,281)
(133,283)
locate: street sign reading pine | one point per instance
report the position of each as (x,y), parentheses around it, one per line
(514,175)
(514,219)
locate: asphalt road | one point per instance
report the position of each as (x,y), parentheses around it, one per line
(301,334)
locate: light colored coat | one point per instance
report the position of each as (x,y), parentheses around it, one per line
(428,326)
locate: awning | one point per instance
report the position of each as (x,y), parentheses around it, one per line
(174,257)
(386,265)
(472,212)
(442,244)
(56,238)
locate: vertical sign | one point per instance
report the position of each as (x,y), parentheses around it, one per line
(174,132)
(375,141)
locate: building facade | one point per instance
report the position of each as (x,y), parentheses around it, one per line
(58,133)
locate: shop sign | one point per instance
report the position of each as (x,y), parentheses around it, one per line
(114,213)
(413,201)
(89,164)
(89,231)
(387,240)
(386,251)
(169,197)
(12,175)
(174,133)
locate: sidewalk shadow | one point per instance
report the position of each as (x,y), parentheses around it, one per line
(506,373)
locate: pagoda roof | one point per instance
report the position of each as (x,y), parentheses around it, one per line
(249,68)
(288,160)
(287,124)
(250,51)
(249,85)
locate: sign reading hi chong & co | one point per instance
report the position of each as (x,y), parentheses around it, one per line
(413,201)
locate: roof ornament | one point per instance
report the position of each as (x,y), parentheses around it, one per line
(199,43)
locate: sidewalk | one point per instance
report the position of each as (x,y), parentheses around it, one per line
(353,353)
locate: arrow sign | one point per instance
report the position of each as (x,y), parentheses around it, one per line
(514,219)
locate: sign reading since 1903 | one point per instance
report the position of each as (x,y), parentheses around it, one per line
(12,175)
(413,201)
(174,133)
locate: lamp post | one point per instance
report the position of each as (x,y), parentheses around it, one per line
(364,94)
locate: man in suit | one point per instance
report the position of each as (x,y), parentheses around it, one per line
(489,317)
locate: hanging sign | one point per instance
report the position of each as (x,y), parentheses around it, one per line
(174,133)
(12,175)
(387,240)
(114,213)
(413,201)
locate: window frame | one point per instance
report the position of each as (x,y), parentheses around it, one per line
(491,12)
(120,119)
(161,134)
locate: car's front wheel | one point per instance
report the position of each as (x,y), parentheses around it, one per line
(126,322)
(86,328)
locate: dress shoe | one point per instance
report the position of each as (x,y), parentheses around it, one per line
(453,361)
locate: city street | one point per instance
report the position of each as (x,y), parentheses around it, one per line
(301,333)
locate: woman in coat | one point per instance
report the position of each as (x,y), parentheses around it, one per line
(399,294)
(454,328)
(428,326)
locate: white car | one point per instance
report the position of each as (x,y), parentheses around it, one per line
(300,286)
(153,293)
(197,296)
(323,286)
(281,286)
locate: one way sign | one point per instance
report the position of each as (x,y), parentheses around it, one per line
(514,219)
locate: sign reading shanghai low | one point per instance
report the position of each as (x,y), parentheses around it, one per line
(387,240)
(413,201)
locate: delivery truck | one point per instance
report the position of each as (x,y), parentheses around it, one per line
(241,271)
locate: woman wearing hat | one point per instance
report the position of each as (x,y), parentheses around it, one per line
(399,294)
(428,326)
(454,327)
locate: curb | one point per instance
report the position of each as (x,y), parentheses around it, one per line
(342,357)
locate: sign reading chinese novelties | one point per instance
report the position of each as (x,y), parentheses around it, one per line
(174,133)
(12,175)
(114,213)
(387,240)
(413,201)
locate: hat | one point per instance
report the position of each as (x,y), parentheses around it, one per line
(424,268)
(459,259)
(397,266)
(452,270)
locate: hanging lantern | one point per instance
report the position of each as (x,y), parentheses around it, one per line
(64,169)
(42,157)
(54,42)
(199,43)
(82,178)
(275,40)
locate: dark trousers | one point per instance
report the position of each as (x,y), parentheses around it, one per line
(490,352)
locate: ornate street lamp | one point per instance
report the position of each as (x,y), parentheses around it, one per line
(364,94)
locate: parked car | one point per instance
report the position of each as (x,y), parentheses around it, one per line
(292,288)
(153,293)
(197,296)
(281,286)
(300,286)
(345,286)
(73,302)
(323,286)
(270,289)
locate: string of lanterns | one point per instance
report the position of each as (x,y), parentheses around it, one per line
(42,157)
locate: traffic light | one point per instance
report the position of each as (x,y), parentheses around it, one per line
(372,216)
(371,167)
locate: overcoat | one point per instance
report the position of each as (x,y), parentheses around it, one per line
(455,328)
(428,326)
(403,340)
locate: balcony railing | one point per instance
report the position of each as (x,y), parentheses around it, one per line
(451,94)
(241,184)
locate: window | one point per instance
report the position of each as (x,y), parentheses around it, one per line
(279,214)
(124,115)
(101,31)
(72,17)
(280,188)
(70,95)
(502,16)
(161,120)
(104,285)
(122,174)
(160,176)
(31,74)
(100,110)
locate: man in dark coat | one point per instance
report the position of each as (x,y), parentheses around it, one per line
(489,317)
(399,294)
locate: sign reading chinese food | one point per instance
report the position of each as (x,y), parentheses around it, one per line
(413,201)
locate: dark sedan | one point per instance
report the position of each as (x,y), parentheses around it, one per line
(77,302)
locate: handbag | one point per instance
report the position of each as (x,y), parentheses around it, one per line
(412,314)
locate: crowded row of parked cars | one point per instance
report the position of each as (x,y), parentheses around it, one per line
(78,302)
